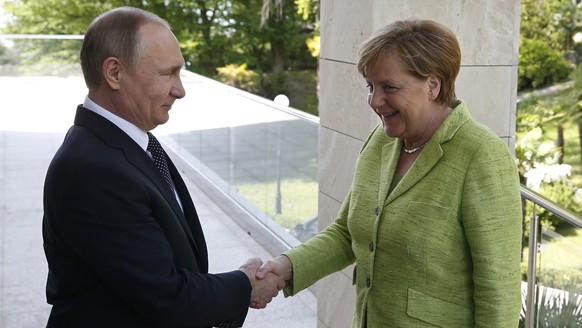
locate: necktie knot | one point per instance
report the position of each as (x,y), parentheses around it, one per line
(159,158)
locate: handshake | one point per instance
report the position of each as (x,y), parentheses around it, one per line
(267,278)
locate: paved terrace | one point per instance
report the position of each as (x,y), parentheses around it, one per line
(35,112)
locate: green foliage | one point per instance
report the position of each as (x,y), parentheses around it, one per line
(313,46)
(308,9)
(559,281)
(555,309)
(567,20)
(561,192)
(565,279)
(236,76)
(547,33)
(535,22)
(300,84)
(532,145)
(540,64)
(537,155)
(299,198)
(53,16)
(7,56)
(212,34)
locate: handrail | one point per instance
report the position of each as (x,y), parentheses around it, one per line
(530,313)
(261,100)
(539,200)
(542,201)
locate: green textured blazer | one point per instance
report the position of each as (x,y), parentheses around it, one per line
(443,248)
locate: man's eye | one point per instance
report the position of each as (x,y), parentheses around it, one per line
(369,87)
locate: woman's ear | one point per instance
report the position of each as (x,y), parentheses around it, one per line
(434,86)
(112,70)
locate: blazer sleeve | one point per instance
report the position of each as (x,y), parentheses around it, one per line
(327,252)
(491,217)
(108,216)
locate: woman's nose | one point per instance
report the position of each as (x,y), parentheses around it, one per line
(374,99)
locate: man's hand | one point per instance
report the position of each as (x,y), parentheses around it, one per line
(265,289)
(280,266)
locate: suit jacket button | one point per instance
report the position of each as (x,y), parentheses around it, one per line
(368,282)
(377,210)
(371,246)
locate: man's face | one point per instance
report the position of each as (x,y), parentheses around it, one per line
(148,91)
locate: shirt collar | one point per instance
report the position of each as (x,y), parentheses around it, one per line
(135,133)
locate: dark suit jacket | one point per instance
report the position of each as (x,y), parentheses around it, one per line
(121,252)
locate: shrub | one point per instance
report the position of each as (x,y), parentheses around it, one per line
(559,298)
(540,64)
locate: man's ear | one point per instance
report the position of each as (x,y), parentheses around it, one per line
(112,70)
(434,86)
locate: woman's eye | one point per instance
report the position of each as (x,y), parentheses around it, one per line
(389,88)
(369,87)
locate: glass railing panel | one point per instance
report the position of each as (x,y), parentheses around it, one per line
(263,155)
(40,55)
(559,292)
(552,290)
(37,71)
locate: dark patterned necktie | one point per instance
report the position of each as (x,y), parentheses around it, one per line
(159,158)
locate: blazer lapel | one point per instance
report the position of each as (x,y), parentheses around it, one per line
(390,153)
(428,158)
(430,155)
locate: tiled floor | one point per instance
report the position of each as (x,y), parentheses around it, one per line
(33,119)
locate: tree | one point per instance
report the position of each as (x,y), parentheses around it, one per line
(576,94)
(212,33)
(278,15)
(270,46)
(546,41)
(545,25)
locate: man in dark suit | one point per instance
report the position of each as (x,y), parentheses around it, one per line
(124,244)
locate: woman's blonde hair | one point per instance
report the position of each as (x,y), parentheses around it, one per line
(423,47)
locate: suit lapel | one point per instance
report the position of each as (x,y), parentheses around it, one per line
(116,138)
(191,219)
(148,167)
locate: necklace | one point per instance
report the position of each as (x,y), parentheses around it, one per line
(413,150)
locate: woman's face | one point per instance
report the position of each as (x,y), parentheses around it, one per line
(400,99)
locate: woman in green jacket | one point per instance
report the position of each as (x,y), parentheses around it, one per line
(433,216)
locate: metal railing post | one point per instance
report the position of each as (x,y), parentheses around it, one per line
(530,312)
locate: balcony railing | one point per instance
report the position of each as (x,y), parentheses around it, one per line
(553,296)
(261,154)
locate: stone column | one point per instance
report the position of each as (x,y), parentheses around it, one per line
(488,32)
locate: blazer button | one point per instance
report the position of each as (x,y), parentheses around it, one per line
(377,210)
(371,246)
(368,282)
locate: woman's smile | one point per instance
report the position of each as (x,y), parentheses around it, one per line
(390,114)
